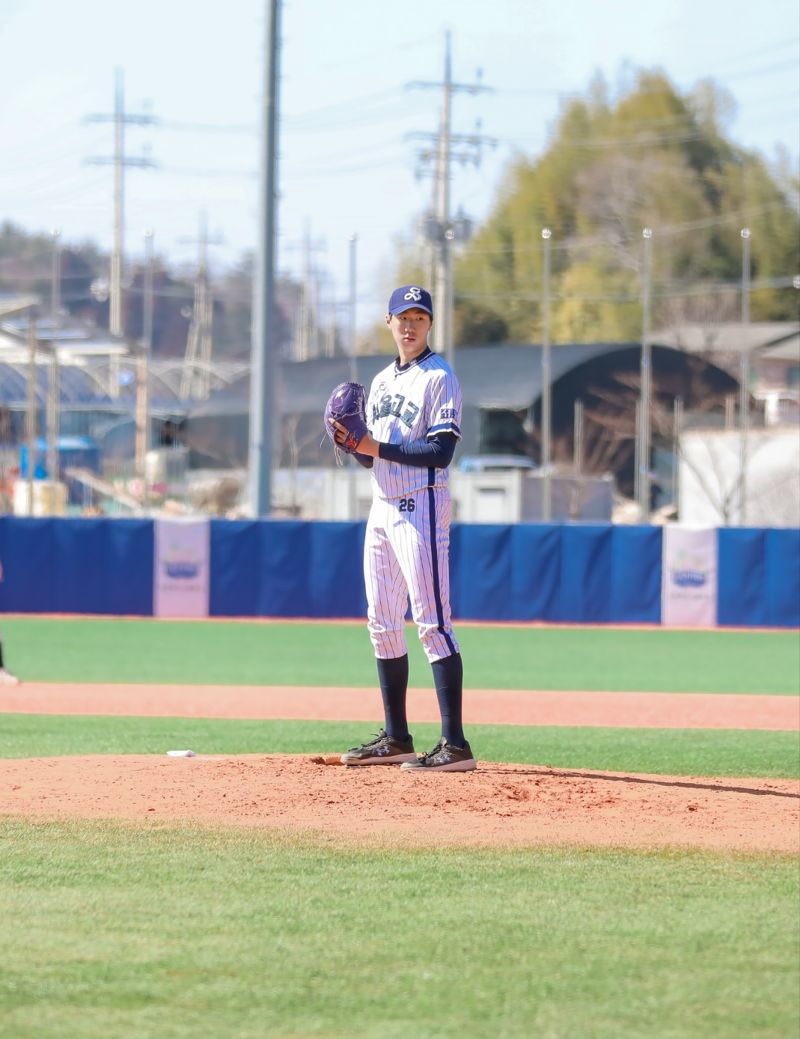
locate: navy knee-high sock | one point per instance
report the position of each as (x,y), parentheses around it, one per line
(393,678)
(448,676)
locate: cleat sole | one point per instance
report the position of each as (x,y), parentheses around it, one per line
(395,759)
(454,766)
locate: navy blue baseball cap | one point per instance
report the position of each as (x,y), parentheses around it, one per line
(409,296)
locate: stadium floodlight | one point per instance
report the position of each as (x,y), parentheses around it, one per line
(546,379)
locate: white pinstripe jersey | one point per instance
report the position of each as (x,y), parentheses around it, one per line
(407,403)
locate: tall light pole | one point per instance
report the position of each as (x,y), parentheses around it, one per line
(645,380)
(118,247)
(31,415)
(677,425)
(55,276)
(263,366)
(54,383)
(744,377)
(353,244)
(547,419)
(143,366)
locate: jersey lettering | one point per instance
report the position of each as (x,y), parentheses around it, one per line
(408,405)
(392,404)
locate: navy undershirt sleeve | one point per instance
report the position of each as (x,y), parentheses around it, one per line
(364,460)
(436,452)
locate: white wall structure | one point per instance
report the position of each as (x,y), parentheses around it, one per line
(181,562)
(709,478)
(689,577)
(507,496)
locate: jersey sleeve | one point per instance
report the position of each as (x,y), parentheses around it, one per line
(445,412)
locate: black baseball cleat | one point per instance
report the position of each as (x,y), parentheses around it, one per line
(444,758)
(383,750)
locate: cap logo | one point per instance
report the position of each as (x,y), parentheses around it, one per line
(414,294)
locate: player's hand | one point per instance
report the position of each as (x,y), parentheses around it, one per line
(366,445)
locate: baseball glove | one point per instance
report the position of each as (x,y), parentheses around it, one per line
(346,405)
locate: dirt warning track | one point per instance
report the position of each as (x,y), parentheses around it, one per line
(481,706)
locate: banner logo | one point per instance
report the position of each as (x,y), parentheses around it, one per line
(689,577)
(182,557)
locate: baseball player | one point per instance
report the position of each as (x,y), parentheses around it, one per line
(6,677)
(413,415)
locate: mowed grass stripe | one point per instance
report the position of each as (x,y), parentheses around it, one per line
(248,653)
(698,752)
(183,931)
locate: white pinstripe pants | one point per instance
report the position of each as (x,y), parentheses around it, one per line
(406,558)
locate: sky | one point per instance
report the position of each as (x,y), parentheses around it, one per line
(349,111)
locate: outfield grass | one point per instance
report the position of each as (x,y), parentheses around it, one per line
(247,653)
(698,752)
(174,932)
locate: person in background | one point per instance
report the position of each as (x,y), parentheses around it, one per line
(6,677)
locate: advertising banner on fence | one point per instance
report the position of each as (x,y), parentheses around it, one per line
(689,577)
(181,564)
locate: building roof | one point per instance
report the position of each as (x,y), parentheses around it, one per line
(730,337)
(507,376)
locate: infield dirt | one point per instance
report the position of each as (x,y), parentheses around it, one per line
(497,805)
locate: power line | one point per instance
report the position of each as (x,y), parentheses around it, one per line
(120,118)
(660,230)
(702,289)
(439,228)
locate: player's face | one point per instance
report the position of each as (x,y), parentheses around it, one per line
(410,331)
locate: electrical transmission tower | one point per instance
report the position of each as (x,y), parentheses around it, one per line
(307,337)
(439,228)
(196,375)
(120,162)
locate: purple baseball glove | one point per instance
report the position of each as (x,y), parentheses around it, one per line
(346,405)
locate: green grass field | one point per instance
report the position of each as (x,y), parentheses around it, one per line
(112,930)
(698,752)
(248,653)
(119,931)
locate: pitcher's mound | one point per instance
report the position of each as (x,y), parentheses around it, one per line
(497,805)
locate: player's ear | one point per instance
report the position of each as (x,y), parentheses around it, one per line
(389,319)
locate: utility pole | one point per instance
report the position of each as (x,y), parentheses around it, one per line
(646,380)
(307,338)
(143,367)
(120,118)
(677,426)
(353,245)
(263,398)
(55,277)
(308,323)
(31,415)
(547,381)
(196,378)
(744,378)
(440,229)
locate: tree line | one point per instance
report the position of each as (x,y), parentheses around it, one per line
(650,157)
(653,157)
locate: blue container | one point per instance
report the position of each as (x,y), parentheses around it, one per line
(80,452)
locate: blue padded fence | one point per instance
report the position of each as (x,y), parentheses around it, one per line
(499,572)
(759,578)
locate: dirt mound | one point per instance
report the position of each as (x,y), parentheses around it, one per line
(497,805)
